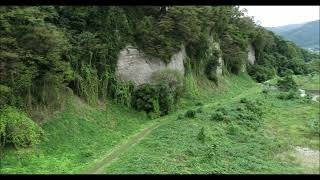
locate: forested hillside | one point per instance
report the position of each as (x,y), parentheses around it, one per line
(305,35)
(51,53)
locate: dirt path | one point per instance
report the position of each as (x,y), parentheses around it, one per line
(307,157)
(117,151)
(135,139)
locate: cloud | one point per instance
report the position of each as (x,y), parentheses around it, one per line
(271,16)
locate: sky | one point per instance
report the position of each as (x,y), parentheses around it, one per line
(272,16)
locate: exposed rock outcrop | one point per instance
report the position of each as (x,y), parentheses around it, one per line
(134,65)
(251,54)
(251,57)
(220,60)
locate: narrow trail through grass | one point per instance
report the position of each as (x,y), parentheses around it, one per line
(135,139)
(117,151)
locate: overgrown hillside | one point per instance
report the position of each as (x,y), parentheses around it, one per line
(305,35)
(45,49)
(49,54)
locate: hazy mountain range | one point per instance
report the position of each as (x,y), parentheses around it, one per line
(305,35)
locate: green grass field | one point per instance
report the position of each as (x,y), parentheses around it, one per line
(229,147)
(80,137)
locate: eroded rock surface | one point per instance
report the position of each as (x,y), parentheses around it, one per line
(134,65)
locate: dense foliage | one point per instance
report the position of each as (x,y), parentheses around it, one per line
(287,83)
(246,112)
(159,97)
(45,49)
(17,129)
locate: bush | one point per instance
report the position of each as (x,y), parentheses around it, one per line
(260,73)
(244,100)
(265,91)
(287,83)
(166,98)
(314,125)
(210,71)
(159,97)
(201,135)
(190,114)
(143,98)
(156,110)
(288,95)
(246,112)
(148,96)
(172,78)
(253,107)
(180,116)
(4,94)
(199,110)
(17,129)
(218,116)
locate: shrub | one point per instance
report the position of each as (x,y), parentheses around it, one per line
(265,91)
(259,73)
(287,83)
(199,110)
(247,112)
(143,98)
(288,95)
(190,114)
(166,98)
(210,71)
(123,92)
(17,129)
(253,107)
(159,97)
(199,104)
(4,94)
(148,96)
(180,116)
(201,136)
(306,99)
(314,125)
(172,78)
(218,116)
(244,100)
(156,109)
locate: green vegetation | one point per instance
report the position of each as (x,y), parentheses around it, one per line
(287,83)
(17,129)
(75,139)
(234,146)
(63,108)
(315,125)
(159,97)
(190,114)
(304,35)
(310,82)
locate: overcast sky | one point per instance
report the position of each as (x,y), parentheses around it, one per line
(271,16)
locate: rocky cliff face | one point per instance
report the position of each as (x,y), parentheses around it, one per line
(251,54)
(220,60)
(251,57)
(134,65)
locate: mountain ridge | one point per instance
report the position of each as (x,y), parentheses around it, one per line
(305,35)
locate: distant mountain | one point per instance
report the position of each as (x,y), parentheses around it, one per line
(284,28)
(305,35)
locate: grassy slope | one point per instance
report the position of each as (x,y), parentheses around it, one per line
(79,138)
(76,138)
(309,82)
(229,148)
